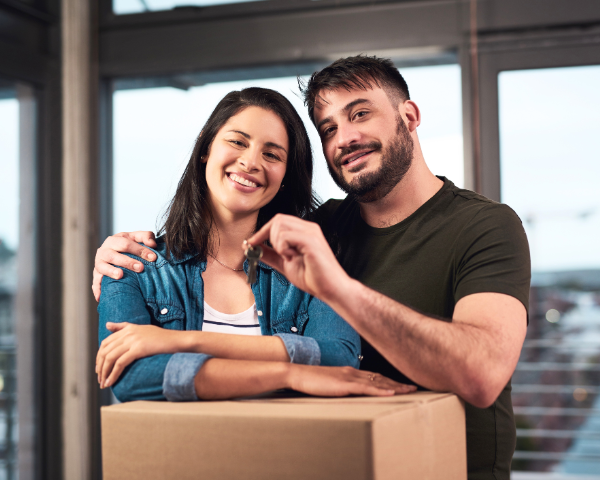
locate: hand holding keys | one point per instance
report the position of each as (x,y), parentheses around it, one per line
(253,255)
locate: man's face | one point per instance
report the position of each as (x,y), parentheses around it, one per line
(365,140)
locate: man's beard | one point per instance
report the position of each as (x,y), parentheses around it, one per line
(396,159)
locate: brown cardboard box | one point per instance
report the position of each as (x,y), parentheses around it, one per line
(418,437)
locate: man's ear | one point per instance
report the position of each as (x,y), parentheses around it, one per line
(412,113)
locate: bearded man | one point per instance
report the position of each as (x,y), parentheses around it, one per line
(434,278)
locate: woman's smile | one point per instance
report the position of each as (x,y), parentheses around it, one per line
(243,180)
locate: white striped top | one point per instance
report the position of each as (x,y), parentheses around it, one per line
(244,323)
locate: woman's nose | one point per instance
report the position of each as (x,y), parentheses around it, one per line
(250,159)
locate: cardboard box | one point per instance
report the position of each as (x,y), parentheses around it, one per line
(418,437)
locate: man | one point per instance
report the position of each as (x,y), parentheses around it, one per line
(434,278)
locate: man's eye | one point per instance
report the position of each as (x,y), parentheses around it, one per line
(327,131)
(360,114)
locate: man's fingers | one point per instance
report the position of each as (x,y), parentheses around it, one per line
(147,238)
(272,258)
(128,244)
(96,284)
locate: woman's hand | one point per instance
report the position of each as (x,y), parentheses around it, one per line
(130,342)
(108,255)
(343,381)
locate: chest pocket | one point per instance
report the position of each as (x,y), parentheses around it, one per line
(166,315)
(292,324)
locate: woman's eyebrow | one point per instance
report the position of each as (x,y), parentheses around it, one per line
(275,145)
(243,134)
(268,144)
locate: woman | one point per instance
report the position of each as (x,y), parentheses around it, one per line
(171,324)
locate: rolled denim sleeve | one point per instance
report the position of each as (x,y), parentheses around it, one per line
(338,342)
(178,384)
(304,350)
(122,301)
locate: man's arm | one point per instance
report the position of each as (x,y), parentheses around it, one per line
(472,356)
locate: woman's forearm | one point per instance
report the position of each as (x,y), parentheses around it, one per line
(236,347)
(220,379)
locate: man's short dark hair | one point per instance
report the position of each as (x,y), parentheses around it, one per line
(362,72)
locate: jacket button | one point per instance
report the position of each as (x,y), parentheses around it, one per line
(294,329)
(164,311)
(259,313)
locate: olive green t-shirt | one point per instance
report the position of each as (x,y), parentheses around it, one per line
(456,244)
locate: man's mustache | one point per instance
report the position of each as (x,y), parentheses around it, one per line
(337,161)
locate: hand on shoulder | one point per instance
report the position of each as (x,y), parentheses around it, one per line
(109,255)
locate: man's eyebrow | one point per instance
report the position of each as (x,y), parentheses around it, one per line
(268,144)
(346,109)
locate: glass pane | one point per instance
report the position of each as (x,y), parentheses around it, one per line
(9,242)
(121,7)
(155,129)
(550,162)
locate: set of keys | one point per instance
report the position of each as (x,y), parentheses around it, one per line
(253,255)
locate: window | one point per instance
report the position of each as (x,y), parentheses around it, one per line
(17,119)
(121,7)
(550,162)
(154,131)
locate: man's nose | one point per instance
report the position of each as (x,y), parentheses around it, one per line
(347,134)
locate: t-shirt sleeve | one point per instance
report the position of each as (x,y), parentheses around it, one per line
(493,255)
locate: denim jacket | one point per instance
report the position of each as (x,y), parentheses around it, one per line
(169,293)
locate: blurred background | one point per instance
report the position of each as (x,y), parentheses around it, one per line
(100,104)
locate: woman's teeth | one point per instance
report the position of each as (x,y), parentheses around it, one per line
(242,180)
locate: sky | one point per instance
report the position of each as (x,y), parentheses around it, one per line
(9,172)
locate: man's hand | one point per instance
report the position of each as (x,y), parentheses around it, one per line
(108,255)
(301,253)
(130,342)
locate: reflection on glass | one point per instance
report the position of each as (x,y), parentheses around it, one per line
(121,7)
(155,129)
(9,234)
(550,163)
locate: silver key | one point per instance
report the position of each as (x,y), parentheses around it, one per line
(253,254)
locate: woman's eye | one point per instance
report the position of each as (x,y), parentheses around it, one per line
(272,156)
(237,143)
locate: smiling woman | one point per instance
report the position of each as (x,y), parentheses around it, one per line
(165,330)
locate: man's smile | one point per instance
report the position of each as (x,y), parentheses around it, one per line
(353,158)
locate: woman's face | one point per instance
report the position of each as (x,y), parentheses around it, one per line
(247,162)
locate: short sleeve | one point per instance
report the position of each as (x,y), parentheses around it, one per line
(492,255)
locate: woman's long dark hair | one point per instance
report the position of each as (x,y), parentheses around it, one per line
(189,216)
